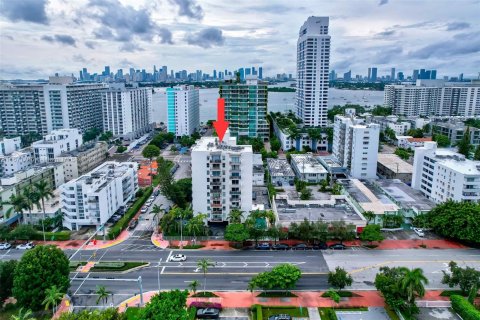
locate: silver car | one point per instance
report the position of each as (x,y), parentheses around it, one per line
(5,246)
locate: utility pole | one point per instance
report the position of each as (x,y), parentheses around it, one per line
(141,290)
(158,274)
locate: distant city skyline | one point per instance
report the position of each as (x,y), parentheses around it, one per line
(41,37)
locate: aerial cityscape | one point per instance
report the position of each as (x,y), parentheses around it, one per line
(258,160)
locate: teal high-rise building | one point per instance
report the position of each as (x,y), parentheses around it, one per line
(246,108)
(183,110)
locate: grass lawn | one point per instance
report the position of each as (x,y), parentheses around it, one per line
(116,266)
(133,313)
(270,311)
(276,295)
(206,294)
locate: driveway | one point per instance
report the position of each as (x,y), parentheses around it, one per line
(409,235)
(437,313)
(373,313)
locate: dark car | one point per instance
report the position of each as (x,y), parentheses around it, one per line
(132,224)
(208,313)
(338,246)
(281,246)
(280,317)
(301,246)
(156,193)
(263,246)
(320,246)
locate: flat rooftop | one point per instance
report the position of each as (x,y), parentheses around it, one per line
(451,159)
(308,163)
(83,149)
(404,195)
(394,163)
(213,144)
(367,196)
(341,210)
(279,168)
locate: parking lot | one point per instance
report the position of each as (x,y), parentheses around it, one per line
(371,314)
(437,313)
(409,235)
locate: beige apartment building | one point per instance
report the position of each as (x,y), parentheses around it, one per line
(83,160)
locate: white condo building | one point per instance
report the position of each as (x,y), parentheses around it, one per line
(92,199)
(9,145)
(313,61)
(55,143)
(434,97)
(221,177)
(442,174)
(183,110)
(355,146)
(127,112)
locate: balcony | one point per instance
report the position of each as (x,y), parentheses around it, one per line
(216,205)
(232,176)
(235,192)
(215,160)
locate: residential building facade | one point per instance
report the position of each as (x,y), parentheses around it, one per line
(355,146)
(308,168)
(16,161)
(93,198)
(442,175)
(246,107)
(127,112)
(53,144)
(280,172)
(85,158)
(313,62)
(183,110)
(9,145)
(221,177)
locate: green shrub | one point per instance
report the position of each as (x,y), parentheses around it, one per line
(464,308)
(328,314)
(192,313)
(193,246)
(110,265)
(53,236)
(122,224)
(259,312)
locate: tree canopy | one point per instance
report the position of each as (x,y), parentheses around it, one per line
(282,277)
(339,278)
(7,269)
(169,305)
(39,269)
(107,314)
(371,233)
(465,278)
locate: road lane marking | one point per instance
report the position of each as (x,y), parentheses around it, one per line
(169,256)
(234,273)
(81,284)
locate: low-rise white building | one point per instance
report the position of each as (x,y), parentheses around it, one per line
(355,146)
(53,144)
(221,177)
(15,161)
(392,122)
(9,145)
(280,172)
(443,174)
(308,168)
(408,142)
(93,198)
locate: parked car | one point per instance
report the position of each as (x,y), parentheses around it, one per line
(25,246)
(338,246)
(133,224)
(301,246)
(419,232)
(156,193)
(321,246)
(263,246)
(281,246)
(144,209)
(208,313)
(178,258)
(280,317)
(5,246)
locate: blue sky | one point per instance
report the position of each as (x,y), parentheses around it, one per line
(40,37)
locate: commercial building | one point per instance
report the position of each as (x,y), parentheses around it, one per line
(442,175)
(313,62)
(280,172)
(83,159)
(55,143)
(308,168)
(246,107)
(221,177)
(93,198)
(127,112)
(355,146)
(390,166)
(52,173)
(9,145)
(434,97)
(183,110)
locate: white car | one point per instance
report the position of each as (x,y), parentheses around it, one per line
(5,246)
(419,232)
(178,258)
(26,246)
(144,209)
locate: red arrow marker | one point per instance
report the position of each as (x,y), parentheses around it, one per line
(220,125)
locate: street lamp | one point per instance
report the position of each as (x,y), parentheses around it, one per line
(158,274)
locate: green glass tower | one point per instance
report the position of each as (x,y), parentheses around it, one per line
(246,107)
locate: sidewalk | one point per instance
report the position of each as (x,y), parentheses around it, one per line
(75,244)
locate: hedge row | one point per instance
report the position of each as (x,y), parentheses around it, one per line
(464,308)
(122,224)
(53,236)
(192,313)
(259,312)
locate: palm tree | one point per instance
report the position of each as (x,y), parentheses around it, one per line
(295,134)
(44,192)
(196,225)
(156,210)
(315,134)
(53,295)
(193,286)
(23,315)
(235,216)
(413,283)
(369,215)
(18,203)
(204,264)
(102,294)
(31,197)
